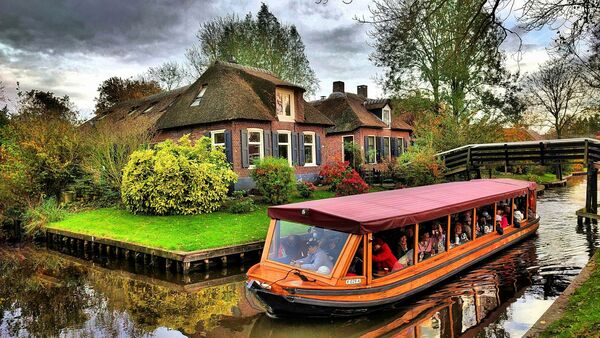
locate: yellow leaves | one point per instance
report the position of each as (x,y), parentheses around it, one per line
(177,178)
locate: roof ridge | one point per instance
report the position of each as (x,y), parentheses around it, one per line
(244,67)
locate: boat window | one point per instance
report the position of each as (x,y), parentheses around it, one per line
(485,222)
(461,228)
(504,213)
(356,266)
(393,250)
(520,211)
(306,247)
(432,238)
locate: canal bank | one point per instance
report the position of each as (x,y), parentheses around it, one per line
(576,312)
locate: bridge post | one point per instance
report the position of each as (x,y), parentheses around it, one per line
(591,196)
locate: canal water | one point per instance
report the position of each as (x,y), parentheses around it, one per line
(45,293)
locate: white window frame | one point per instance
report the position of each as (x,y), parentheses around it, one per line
(261,145)
(212,138)
(374,148)
(401,146)
(343,146)
(387,156)
(314,148)
(289,143)
(387,121)
(199,97)
(283,117)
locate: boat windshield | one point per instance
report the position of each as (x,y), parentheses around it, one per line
(306,247)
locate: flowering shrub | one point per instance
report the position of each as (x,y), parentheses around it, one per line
(305,189)
(333,173)
(351,184)
(177,178)
(274,179)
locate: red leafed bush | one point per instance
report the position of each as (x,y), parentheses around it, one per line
(352,184)
(333,173)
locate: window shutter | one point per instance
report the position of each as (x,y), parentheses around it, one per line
(267,143)
(294,148)
(245,161)
(275,144)
(366,149)
(379,147)
(301,149)
(394,146)
(318,149)
(228,146)
(207,134)
(405,143)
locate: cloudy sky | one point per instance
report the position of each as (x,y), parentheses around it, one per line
(71,46)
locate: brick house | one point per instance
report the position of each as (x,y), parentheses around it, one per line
(251,114)
(370,124)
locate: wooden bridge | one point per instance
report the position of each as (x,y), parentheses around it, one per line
(468,161)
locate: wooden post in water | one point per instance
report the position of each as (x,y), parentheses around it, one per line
(591,194)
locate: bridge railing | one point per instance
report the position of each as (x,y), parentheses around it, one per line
(544,152)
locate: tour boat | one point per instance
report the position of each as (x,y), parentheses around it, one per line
(353,255)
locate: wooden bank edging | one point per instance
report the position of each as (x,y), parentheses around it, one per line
(186,258)
(556,310)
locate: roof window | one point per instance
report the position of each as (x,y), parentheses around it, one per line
(199,96)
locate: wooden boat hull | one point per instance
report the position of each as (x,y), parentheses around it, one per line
(323,303)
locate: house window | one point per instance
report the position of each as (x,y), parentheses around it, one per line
(150,107)
(218,138)
(371,150)
(347,151)
(285,104)
(255,145)
(199,97)
(386,117)
(284,144)
(309,149)
(400,146)
(387,149)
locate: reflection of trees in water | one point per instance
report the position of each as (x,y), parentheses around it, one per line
(43,294)
(40,295)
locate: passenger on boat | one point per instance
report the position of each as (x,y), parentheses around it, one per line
(483,226)
(518,218)
(383,257)
(293,247)
(459,236)
(501,217)
(426,246)
(402,246)
(439,237)
(317,259)
(332,246)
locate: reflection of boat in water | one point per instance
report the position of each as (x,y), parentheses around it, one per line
(463,307)
(324,258)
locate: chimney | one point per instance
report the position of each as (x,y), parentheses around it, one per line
(362,91)
(338,86)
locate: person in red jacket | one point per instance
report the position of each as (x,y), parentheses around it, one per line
(383,257)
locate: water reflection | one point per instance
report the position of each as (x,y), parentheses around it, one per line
(45,293)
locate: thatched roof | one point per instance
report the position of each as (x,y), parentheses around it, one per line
(235,92)
(350,111)
(142,113)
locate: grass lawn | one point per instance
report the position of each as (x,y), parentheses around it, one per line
(582,316)
(182,233)
(540,179)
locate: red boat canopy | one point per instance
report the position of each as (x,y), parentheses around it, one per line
(378,211)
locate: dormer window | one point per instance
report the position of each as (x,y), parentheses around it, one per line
(199,97)
(150,107)
(133,110)
(285,107)
(386,116)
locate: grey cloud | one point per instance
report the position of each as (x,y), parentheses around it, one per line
(118,28)
(344,39)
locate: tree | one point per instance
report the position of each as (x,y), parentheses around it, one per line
(558,92)
(116,89)
(2,92)
(168,75)
(261,42)
(448,48)
(36,104)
